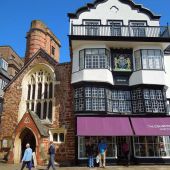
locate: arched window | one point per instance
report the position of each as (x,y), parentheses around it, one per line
(28,106)
(40,93)
(51,90)
(38,110)
(46,91)
(50,110)
(55,137)
(29,92)
(45,110)
(39,90)
(33,91)
(32,106)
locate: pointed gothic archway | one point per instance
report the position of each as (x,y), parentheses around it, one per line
(26,136)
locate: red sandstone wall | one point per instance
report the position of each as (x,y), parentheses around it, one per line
(38,37)
(63,113)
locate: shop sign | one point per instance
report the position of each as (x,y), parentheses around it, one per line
(160,127)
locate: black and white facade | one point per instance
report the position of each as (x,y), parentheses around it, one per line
(120,70)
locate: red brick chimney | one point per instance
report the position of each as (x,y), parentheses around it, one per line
(40,36)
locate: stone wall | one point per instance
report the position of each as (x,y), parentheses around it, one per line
(39,36)
(63,107)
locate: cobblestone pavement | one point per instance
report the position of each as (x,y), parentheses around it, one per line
(4,166)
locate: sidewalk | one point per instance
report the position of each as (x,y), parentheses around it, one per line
(4,166)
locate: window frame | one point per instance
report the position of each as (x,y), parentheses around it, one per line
(133,103)
(59,131)
(143,100)
(38,100)
(52,50)
(161,61)
(137,28)
(82,142)
(92,29)
(98,58)
(4,64)
(114,28)
(160,140)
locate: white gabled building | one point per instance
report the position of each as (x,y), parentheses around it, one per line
(121,80)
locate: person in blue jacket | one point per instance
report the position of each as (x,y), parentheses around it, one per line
(51,152)
(102,147)
(27,158)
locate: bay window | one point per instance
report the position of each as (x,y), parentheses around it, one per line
(137,101)
(148,100)
(148,59)
(94,59)
(119,101)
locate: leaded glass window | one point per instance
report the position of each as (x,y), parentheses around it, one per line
(94,59)
(151,59)
(40,94)
(149,99)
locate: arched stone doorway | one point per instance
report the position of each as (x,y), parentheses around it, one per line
(26,136)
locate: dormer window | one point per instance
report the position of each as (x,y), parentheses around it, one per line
(138,28)
(91,27)
(115,29)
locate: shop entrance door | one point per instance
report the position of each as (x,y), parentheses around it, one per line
(119,142)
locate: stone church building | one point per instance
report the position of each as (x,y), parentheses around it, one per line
(43,87)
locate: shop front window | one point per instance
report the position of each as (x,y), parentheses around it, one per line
(152,146)
(110,141)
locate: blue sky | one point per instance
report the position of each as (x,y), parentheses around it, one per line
(16,16)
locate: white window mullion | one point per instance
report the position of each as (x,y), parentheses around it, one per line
(43,86)
(36,88)
(31,92)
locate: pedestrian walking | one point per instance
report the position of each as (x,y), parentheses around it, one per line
(90,154)
(27,158)
(51,152)
(125,150)
(102,147)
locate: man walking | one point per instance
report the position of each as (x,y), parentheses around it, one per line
(102,147)
(27,158)
(51,152)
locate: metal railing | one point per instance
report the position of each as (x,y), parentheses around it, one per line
(120,31)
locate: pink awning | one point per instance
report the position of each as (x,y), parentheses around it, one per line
(151,126)
(103,126)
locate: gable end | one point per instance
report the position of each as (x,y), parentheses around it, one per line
(89,6)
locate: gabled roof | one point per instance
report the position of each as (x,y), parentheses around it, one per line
(128,2)
(42,129)
(40,52)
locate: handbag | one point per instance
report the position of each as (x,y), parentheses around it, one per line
(97,159)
